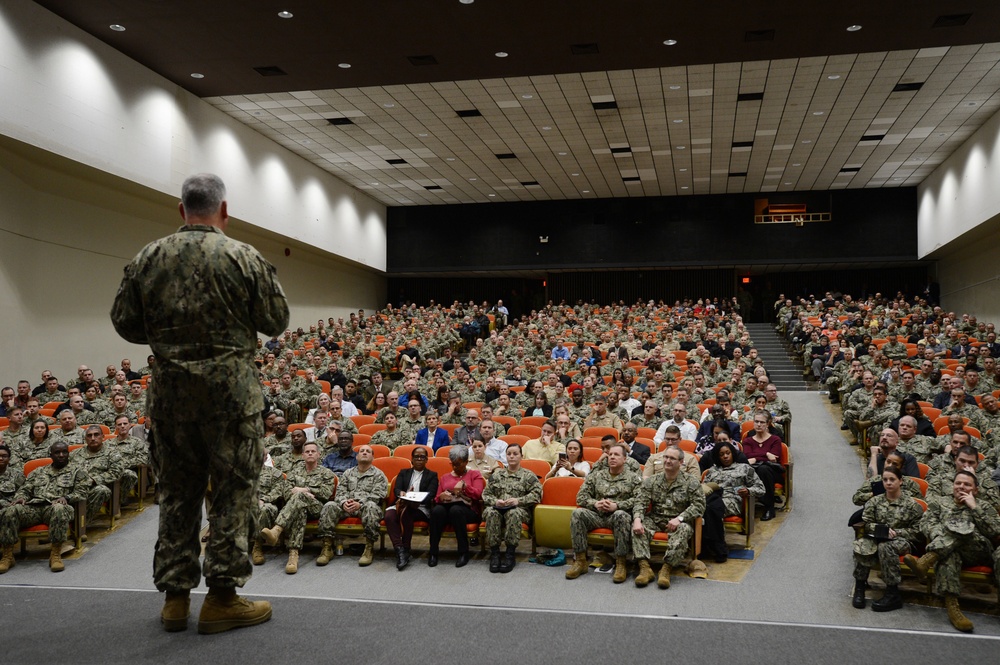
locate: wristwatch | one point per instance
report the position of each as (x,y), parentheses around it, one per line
(680,518)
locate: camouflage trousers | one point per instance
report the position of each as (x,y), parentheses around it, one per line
(264,517)
(97,496)
(293,517)
(14,518)
(887,558)
(954,552)
(678,542)
(370,514)
(585,520)
(185,456)
(504,525)
(128,481)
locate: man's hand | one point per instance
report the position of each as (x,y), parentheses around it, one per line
(968,499)
(61,501)
(637,527)
(673,524)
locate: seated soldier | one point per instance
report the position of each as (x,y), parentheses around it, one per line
(46,497)
(359,494)
(672,437)
(959,533)
(965,458)
(68,431)
(509,499)
(278,442)
(392,436)
(606,499)
(287,461)
(103,465)
(133,451)
(312,486)
(675,501)
(343,456)
(272,489)
(11,478)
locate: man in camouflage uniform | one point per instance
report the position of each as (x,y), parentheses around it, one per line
(605,500)
(11,477)
(279,442)
(16,435)
(68,431)
(272,488)
(104,467)
(360,493)
(939,480)
(676,501)
(119,407)
(46,497)
(875,415)
(894,349)
(509,499)
(312,486)
(601,417)
(198,299)
(286,461)
(133,451)
(959,533)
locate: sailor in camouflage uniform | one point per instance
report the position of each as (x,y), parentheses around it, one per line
(46,497)
(901,514)
(198,299)
(676,501)
(272,489)
(103,465)
(959,534)
(509,499)
(605,500)
(360,493)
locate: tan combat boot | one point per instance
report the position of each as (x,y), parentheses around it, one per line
(663,581)
(920,566)
(7,560)
(224,610)
(271,536)
(579,566)
(955,615)
(621,570)
(369,554)
(645,575)
(176,610)
(292,566)
(55,558)
(326,553)
(257,556)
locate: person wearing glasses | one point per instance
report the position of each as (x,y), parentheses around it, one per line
(400,516)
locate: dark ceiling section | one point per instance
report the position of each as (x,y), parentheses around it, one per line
(398,41)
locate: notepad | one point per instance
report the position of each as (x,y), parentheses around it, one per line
(415,496)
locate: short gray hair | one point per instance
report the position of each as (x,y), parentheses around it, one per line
(203,194)
(458,453)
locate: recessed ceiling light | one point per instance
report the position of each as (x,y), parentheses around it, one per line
(491,195)
(527,96)
(466,2)
(670,42)
(285,14)
(449,159)
(344,65)
(678,121)
(897,179)
(501,54)
(562,154)
(807,141)
(421,135)
(833,77)
(546,128)
(684,187)
(853,28)
(681,147)
(389,106)
(586,191)
(817,113)
(675,87)
(374,183)
(797,164)
(117,27)
(788,183)
(472,179)
(574,174)
(196,75)
(682,170)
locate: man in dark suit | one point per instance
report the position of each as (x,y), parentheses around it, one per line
(399,517)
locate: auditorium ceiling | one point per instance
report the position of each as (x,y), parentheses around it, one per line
(421,102)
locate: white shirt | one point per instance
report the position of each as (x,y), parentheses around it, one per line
(630,404)
(348,409)
(688,431)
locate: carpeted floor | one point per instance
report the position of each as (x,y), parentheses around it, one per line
(801,575)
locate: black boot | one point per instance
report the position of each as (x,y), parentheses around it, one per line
(402,558)
(889,601)
(495,559)
(859,594)
(508,560)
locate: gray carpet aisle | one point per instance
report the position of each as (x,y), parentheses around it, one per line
(803,576)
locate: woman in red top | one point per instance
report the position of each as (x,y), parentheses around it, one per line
(763,451)
(458,503)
